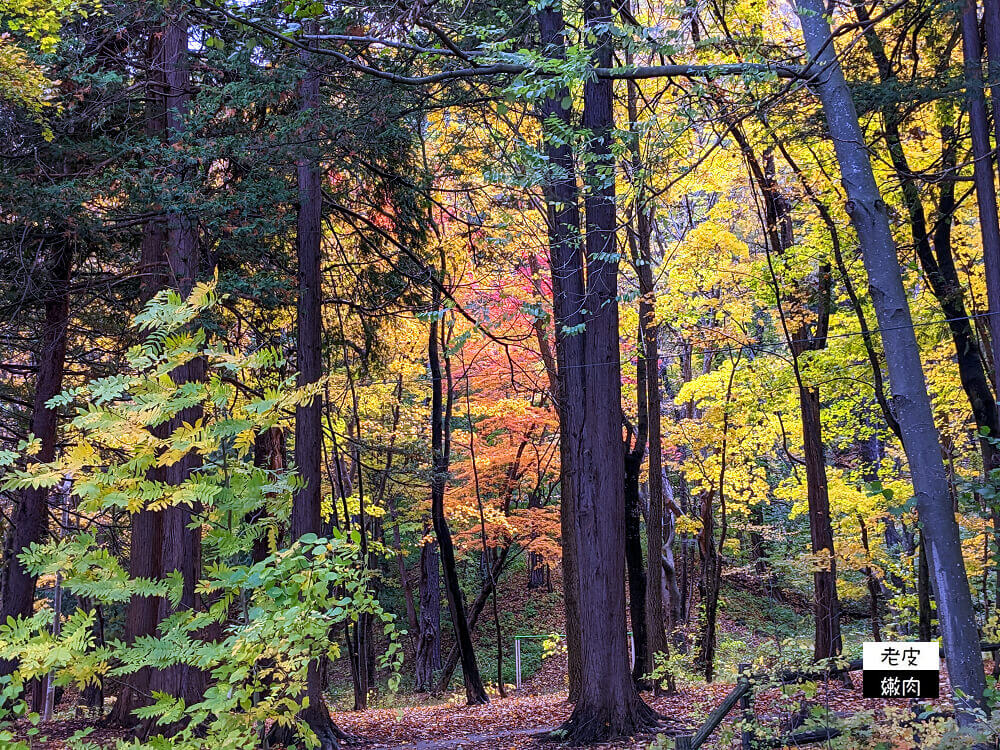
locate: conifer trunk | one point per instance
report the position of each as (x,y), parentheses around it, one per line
(566,266)
(147,526)
(31,520)
(306,505)
(608,704)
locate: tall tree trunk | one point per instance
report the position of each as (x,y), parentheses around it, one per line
(608,705)
(708,591)
(31,518)
(910,399)
(654,638)
(180,545)
(982,169)
(475,693)
(939,264)
(147,525)
(779,235)
(306,505)
(566,266)
(637,584)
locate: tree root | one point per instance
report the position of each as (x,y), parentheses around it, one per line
(331,737)
(604,724)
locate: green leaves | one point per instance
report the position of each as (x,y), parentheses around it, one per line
(273,616)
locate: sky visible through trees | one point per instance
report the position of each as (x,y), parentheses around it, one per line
(341,343)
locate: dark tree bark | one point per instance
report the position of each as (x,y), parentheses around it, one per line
(924,612)
(608,704)
(147,526)
(826,604)
(651,637)
(566,266)
(31,518)
(634,449)
(634,563)
(428,657)
(269,454)
(306,505)
(874,587)
(982,168)
(708,588)
(180,545)
(910,399)
(441,412)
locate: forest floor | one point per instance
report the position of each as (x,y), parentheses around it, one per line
(752,627)
(520,721)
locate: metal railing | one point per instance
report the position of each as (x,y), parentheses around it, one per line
(517,651)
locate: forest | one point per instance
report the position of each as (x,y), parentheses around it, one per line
(439,374)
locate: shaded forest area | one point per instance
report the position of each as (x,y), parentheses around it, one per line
(341,343)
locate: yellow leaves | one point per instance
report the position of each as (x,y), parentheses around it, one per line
(687,525)
(21,81)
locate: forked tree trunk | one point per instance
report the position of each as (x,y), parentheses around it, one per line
(608,705)
(910,399)
(31,519)
(475,693)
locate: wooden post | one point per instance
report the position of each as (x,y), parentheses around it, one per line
(746,704)
(684,742)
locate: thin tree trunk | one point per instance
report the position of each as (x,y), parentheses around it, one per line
(306,505)
(390,502)
(637,586)
(653,634)
(826,605)
(475,693)
(708,592)
(475,611)
(910,399)
(566,266)
(778,230)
